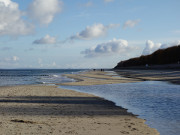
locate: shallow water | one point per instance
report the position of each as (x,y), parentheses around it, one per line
(157,102)
(34,76)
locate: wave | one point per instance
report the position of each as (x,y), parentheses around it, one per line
(20,77)
(55,75)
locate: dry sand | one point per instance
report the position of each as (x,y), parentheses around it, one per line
(44,110)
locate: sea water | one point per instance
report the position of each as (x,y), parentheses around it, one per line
(34,76)
(157,102)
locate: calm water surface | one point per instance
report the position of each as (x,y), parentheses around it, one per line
(157,102)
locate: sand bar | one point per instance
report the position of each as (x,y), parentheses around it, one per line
(97,78)
(50,110)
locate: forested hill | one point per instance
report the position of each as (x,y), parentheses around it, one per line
(169,55)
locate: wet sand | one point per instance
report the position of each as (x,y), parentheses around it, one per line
(98,78)
(171,75)
(51,110)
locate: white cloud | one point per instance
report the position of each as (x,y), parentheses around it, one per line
(46,40)
(11,22)
(152,47)
(15,58)
(110,26)
(175,43)
(43,11)
(9,62)
(131,23)
(108,1)
(115,46)
(11,59)
(54,64)
(94,31)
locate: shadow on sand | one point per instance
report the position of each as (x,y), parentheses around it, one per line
(63,106)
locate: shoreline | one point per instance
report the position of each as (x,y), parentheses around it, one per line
(168,75)
(42,109)
(97,78)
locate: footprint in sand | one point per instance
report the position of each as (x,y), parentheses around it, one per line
(133,129)
(124,132)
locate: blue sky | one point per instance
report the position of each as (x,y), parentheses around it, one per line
(84,33)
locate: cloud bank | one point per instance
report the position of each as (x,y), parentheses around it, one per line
(115,46)
(46,40)
(43,11)
(11,22)
(152,47)
(94,31)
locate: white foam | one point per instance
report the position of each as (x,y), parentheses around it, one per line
(55,75)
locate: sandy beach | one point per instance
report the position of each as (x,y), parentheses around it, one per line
(48,110)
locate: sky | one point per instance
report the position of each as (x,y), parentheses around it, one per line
(60,34)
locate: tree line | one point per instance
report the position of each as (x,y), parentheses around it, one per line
(162,56)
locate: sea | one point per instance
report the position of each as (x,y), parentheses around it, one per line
(11,77)
(155,101)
